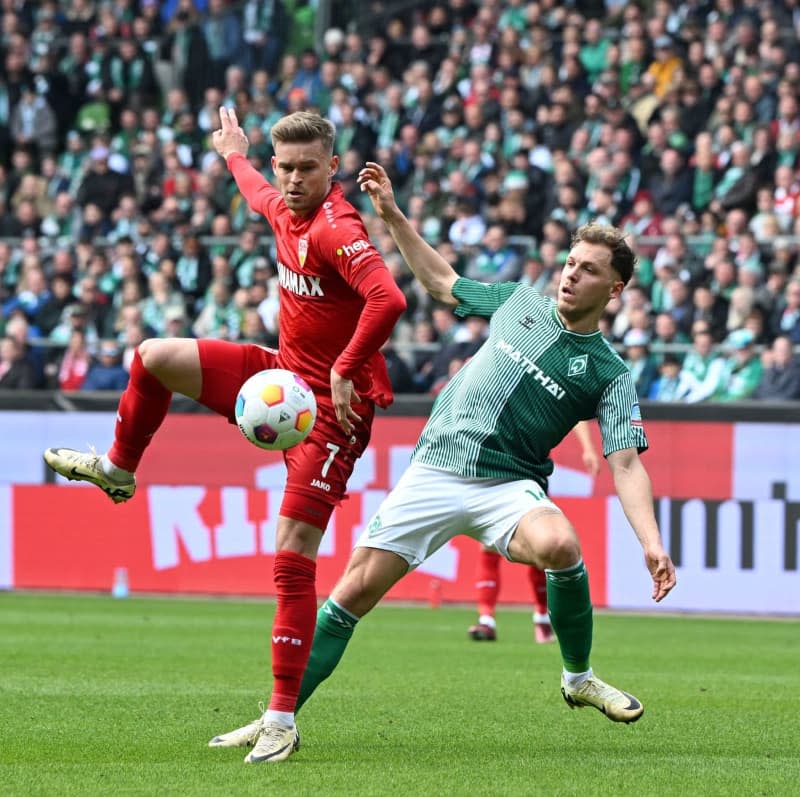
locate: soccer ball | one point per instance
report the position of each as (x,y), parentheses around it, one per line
(275,409)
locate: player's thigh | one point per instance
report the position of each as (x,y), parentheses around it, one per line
(420,515)
(518,519)
(224,367)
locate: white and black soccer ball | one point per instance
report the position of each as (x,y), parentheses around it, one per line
(275,409)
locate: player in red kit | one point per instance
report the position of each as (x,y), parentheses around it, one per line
(338,305)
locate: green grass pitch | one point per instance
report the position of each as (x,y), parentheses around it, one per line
(103,697)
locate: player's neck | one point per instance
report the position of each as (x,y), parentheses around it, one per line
(584,325)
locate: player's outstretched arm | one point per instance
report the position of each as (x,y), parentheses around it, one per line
(636,495)
(435,274)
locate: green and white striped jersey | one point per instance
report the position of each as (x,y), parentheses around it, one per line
(525,389)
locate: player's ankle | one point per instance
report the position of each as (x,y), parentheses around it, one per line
(113,471)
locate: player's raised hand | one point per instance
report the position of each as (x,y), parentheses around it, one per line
(662,570)
(374,180)
(230,137)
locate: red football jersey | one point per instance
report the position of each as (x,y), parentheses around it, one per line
(321,260)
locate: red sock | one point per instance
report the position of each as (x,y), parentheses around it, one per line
(293,627)
(142,409)
(488,583)
(539,588)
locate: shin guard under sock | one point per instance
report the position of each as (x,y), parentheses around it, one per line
(293,627)
(571,614)
(142,409)
(334,628)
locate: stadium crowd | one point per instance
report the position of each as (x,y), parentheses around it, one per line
(504,125)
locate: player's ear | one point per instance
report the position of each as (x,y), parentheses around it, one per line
(334,165)
(616,290)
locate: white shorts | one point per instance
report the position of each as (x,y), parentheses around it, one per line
(428,507)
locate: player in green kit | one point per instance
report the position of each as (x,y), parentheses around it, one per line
(483,457)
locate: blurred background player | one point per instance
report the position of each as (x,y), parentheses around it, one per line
(489,561)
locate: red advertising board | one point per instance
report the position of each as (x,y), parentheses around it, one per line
(219,540)
(204,515)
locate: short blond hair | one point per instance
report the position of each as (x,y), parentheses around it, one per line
(304,127)
(623,260)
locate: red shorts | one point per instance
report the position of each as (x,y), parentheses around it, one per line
(318,468)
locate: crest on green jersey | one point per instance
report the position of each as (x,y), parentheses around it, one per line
(577,365)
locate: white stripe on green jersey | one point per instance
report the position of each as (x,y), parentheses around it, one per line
(525,389)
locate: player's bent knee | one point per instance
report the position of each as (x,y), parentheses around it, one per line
(562,550)
(152,353)
(175,362)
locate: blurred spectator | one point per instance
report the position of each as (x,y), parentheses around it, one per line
(496,260)
(741,373)
(16,373)
(71,369)
(665,65)
(107,372)
(399,371)
(785,318)
(780,380)
(162,297)
(31,295)
(33,122)
(222,28)
(50,311)
(702,367)
(74,317)
(469,227)
(193,269)
(667,337)
(101,186)
(176,324)
(464,343)
(737,185)
(264,31)
(680,304)
(667,385)
(252,328)
(219,317)
(644,219)
(183,54)
(128,78)
(671,186)
(637,357)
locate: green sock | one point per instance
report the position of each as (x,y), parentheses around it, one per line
(571,614)
(334,628)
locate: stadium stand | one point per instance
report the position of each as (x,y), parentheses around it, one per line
(503,124)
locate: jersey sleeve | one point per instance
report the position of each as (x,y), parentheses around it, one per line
(481,298)
(620,417)
(347,247)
